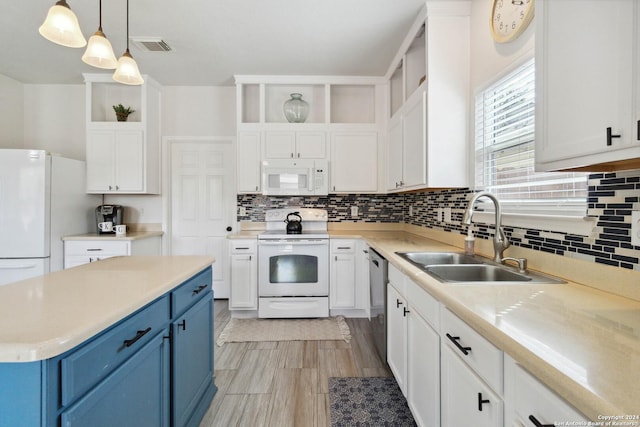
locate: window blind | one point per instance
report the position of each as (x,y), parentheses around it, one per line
(504,151)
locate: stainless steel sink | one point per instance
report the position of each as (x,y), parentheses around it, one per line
(461,269)
(425,259)
(485,274)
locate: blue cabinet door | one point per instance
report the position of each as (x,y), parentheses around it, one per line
(192,363)
(136,394)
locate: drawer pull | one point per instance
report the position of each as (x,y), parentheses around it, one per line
(199,289)
(405,312)
(537,423)
(242,249)
(343,247)
(183,325)
(481,401)
(455,340)
(94,249)
(140,334)
(398,303)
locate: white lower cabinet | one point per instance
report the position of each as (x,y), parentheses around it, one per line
(78,252)
(244,274)
(413,346)
(348,278)
(466,399)
(529,403)
(397,336)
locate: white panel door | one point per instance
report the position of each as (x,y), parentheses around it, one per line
(203,201)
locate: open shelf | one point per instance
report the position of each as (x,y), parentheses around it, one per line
(353,104)
(105,95)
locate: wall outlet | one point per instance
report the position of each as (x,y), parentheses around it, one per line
(447,215)
(635,228)
(242,211)
(411,210)
(354,211)
(440,214)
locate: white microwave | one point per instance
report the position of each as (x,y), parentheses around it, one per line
(301,177)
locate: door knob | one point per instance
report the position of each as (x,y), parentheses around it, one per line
(229,228)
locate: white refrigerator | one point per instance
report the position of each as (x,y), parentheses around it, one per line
(42,198)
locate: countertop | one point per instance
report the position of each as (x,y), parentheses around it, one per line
(131,235)
(582,342)
(48,315)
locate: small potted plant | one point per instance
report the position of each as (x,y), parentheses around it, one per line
(122,113)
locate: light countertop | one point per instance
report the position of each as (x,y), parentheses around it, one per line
(582,342)
(48,315)
(131,235)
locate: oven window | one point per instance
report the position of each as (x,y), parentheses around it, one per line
(293,269)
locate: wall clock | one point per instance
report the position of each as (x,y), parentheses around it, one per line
(509,18)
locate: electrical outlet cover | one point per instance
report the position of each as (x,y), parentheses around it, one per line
(635,228)
(354,211)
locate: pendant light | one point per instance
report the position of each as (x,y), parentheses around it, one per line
(99,52)
(127,71)
(61,26)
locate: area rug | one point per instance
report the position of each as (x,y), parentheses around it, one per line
(247,330)
(368,402)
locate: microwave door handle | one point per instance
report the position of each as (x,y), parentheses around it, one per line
(311,180)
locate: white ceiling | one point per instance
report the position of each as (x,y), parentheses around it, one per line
(214,39)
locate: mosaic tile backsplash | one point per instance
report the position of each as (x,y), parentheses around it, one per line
(611,198)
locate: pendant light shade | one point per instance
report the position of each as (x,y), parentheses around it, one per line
(99,52)
(127,71)
(61,26)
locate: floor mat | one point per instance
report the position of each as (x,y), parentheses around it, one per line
(368,402)
(250,330)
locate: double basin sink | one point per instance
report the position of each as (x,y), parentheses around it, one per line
(462,269)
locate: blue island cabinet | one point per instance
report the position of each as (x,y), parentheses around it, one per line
(153,368)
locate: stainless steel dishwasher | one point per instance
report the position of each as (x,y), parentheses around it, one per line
(378,278)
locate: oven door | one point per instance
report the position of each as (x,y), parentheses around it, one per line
(293,267)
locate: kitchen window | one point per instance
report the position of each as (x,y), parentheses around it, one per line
(504,156)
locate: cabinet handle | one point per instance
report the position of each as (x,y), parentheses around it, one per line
(94,249)
(610,136)
(292,155)
(199,289)
(242,248)
(256,188)
(481,401)
(376,263)
(537,423)
(343,247)
(109,187)
(405,312)
(117,188)
(638,130)
(183,325)
(455,340)
(140,334)
(398,303)
(298,155)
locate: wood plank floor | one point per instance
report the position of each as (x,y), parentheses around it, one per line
(284,383)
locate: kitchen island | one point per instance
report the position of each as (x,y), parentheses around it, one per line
(126,341)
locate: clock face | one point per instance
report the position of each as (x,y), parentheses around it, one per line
(509,18)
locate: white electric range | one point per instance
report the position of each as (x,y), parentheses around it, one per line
(293,269)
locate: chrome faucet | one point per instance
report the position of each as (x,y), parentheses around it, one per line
(500,241)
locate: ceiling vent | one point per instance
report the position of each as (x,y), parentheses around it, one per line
(151,44)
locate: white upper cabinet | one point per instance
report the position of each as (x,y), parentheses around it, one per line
(428,101)
(354,162)
(295,145)
(122,157)
(346,115)
(587,85)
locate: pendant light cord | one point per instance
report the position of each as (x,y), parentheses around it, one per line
(127,26)
(100,16)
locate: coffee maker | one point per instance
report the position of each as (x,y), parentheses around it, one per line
(109,213)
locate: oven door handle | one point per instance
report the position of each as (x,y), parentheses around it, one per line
(315,242)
